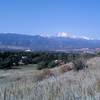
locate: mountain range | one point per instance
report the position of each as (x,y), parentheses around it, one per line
(37,42)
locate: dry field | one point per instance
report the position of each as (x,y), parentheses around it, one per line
(61,83)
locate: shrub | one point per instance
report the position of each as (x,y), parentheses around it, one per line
(65,68)
(36,60)
(79,64)
(42,65)
(52,64)
(6,64)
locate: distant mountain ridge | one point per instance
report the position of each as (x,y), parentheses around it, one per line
(37,42)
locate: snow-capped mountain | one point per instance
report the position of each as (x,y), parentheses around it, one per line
(61,41)
(66,35)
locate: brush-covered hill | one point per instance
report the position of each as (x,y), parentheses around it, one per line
(70,85)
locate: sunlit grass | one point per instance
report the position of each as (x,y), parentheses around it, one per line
(56,84)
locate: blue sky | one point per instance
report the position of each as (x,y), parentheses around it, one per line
(75,17)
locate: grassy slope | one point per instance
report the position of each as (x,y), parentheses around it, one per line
(26,85)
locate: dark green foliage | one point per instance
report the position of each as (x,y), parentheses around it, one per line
(42,65)
(52,64)
(98,53)
(42,59)
(6,64)
(36,60)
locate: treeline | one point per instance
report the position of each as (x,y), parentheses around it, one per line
(9,60)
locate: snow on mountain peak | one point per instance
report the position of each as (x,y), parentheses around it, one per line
(62,34)
(65,35)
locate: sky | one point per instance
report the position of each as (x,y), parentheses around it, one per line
(73,17)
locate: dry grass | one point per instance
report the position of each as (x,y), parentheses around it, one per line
(71,85)
(65,68)
(98,85)
(44,74)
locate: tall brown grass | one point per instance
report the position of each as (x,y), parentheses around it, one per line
(71,85)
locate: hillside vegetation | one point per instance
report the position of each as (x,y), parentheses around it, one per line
(59,83)
(13,60)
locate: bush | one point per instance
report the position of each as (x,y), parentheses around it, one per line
(65,68)
(36,60)
(42,65)
(52,64)
(79,64)
(6,64)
